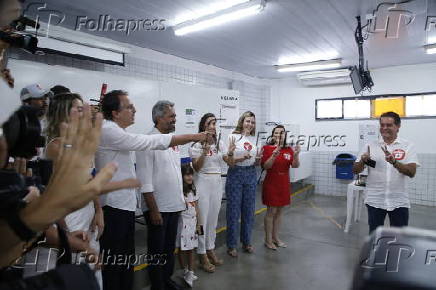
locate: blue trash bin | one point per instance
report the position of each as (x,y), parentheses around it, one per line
(344,165)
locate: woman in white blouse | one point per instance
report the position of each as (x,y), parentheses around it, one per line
(242,157)
(207,160)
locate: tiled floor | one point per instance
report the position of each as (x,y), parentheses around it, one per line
(319,256)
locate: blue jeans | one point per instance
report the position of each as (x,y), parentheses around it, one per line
(241,199)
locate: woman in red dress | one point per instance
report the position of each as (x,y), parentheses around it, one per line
(276,192)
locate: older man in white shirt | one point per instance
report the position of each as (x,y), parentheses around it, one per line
(119,207)
(162,188)
(395,159)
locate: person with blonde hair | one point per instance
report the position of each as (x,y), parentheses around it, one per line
(88,219)
(242,156)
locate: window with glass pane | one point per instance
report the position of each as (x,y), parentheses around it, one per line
(355,109)
(329,109)
(421,105)
(393,104)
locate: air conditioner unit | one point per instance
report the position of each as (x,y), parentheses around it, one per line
(324,78)
(67,42)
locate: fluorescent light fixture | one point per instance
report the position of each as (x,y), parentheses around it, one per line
(430,49)
(325,77)
(431,39)
(209,9)
(233,13)
(315,65)
(309,57)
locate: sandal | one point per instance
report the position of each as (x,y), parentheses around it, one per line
(280,244)
(270,246)
(248,249)
(205,264)
(232,252)
(213,258)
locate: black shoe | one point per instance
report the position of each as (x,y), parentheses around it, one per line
(171,285)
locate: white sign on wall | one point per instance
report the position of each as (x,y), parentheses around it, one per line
(367,133)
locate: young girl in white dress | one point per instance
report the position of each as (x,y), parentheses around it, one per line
(189,226)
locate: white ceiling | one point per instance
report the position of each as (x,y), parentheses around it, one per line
(284,29)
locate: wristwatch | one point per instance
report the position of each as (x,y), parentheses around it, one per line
(230,154)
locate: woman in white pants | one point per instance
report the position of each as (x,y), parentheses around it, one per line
(206,160)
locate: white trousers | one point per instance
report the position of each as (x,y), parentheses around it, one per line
(80,220)
(210,191)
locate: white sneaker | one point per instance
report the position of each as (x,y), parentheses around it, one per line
(189,278)
(194,276)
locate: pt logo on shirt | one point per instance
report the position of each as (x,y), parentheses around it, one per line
(287,156)
(399,154)
(248,146)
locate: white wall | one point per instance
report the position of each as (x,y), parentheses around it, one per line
(292,103)
(150,65)
(296,104)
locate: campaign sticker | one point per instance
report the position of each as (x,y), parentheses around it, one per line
(248,146)
(399,154)
(175,148)
(287,156)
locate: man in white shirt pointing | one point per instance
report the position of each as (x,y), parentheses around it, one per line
(119,206)
(162,188)
(395,159)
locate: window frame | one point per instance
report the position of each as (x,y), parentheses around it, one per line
(371,98)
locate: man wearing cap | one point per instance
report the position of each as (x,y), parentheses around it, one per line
(35,96)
